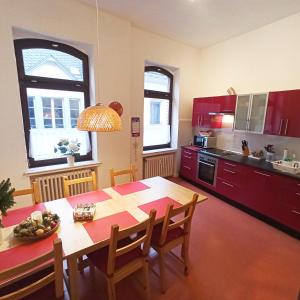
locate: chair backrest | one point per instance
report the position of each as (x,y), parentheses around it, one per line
(34,191)
(114,173)
(144,233)
(187,210)
(56,275)
(68,182)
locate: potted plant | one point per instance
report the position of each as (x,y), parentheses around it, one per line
(67,148)
(6,200)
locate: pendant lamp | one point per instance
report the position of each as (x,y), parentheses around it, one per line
(99,118)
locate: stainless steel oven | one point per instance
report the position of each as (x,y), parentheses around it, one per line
(207,169)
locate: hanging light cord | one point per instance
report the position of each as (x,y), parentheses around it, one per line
(98,50)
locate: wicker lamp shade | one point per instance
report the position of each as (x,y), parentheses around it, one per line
(99,118)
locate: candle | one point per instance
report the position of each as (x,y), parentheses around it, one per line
(37,216)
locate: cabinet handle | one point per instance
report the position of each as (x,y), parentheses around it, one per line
(286,126)
(228,184)
(280,126)
(198,120)
(229,171)
(298,184)
(185,156)
(186,167)
(295,212)
(228,164)
(188,153)
(259,173)
(298,194)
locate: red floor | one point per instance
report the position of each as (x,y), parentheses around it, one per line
(233,256)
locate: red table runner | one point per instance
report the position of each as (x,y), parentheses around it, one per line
(160,205)
(131,187)
(16,216)
(90,197)
(25,252)
(99,230)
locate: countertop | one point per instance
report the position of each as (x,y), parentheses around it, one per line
(238,158)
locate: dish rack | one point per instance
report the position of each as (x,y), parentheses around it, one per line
(292,167)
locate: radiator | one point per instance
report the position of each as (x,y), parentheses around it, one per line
(51,186)
(161,165)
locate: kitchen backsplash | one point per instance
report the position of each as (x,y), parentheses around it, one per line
(228,140)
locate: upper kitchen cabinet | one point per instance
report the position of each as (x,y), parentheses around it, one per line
(201,109)
(225,104)
(283,113)
(206,110)
(251,112)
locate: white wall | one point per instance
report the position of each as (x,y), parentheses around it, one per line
(150,47)
(260,61)
(123,52)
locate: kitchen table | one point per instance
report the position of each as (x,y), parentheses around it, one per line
(125,204)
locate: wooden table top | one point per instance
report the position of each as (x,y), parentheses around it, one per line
(121,202)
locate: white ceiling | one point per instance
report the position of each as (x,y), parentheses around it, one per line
(200,23)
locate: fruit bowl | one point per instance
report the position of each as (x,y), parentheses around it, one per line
(31,230)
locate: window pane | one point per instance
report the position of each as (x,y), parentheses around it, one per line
(58,113)
(74,114)
(156,82)
(74,103)
(32,123)
(59,123)
(156,122)
(58,103)
(52,64)
(155,112)
(51,127)
(30,101)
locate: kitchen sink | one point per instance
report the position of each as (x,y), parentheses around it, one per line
(292,167)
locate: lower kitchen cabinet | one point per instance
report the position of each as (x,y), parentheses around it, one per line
(273,195)
(188,165)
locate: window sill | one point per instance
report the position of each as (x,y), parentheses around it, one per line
(60,168)
(159,151)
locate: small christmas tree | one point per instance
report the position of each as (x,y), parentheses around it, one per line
(6,197)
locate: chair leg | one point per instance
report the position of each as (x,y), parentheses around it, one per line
(185,248)
(162,273)
(80,262)
(146,280)
(111,289)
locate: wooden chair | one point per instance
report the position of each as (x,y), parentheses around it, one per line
(170,234)
(125,256)
(114,173)
(34,191)
(69,182)
(18,272)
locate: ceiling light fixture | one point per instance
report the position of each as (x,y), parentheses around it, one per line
(99,118)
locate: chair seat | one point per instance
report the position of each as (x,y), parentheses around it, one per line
(172,234)
(99,258)
(46,292)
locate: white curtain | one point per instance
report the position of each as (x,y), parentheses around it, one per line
(43,141)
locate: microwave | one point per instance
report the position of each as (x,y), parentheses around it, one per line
(205,141)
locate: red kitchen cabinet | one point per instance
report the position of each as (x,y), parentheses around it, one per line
(201,109)
(261,194)
(288,211)
(188,164)
(283,113)
(230,180)
(225,104)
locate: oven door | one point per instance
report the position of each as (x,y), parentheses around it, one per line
(206,172)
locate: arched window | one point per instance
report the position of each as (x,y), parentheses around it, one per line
(158,94)
(54,89)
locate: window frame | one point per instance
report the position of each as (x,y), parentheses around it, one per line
(160,95)
(30,81)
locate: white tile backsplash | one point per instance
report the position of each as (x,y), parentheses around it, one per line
(230,140)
